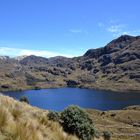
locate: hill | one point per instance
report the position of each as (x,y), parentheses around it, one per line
(115,66)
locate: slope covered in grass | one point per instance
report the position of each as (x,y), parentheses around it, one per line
(122,124)
(20,121)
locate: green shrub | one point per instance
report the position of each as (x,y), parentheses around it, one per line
(106,135)
(24,99)
(54,116)
(37,88)
(76,121)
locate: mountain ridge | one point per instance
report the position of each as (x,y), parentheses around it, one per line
(116,66)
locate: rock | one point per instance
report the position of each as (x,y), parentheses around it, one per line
(105,60)
(72,83)
(5,86)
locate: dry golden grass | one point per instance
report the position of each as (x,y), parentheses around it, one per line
(119,122)
(20,121)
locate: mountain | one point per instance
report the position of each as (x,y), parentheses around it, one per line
(32,59)
(19,58)
(118,62)
(4,57)
(59,60)
(115,66)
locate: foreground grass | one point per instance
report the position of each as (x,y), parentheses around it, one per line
(20,121)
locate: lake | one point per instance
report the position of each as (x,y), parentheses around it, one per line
(60,98)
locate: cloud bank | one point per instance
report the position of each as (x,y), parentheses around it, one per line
(13,52)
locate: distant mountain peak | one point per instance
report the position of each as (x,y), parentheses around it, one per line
(114,46)
(33,59)
(19,58)
(4,57)
(124,38)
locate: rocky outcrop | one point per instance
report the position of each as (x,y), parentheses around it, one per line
(72,83)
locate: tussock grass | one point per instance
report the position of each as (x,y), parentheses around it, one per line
(20,121)
(3,117)
(16,113)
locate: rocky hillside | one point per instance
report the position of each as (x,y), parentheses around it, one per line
(113,67)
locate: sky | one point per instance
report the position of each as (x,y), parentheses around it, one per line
(64,27)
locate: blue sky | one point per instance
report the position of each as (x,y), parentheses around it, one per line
(64,27)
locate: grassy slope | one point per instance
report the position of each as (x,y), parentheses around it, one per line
(19,121)
(123,124)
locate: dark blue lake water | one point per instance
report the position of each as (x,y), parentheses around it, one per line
(58,99)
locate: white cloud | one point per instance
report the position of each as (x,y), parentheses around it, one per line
(134,32)
(13,52)
(75,30)
(126,32)
(115,28)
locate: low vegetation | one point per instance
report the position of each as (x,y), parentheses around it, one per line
(106,135)
(54,116)
(75,121)
(24,99)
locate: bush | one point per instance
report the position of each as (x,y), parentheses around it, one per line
(106,135)
(54,116)
(37,88)
(76,121)
(24,99)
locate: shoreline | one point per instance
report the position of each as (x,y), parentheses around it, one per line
(80,87)
(130,107)
(59,89)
